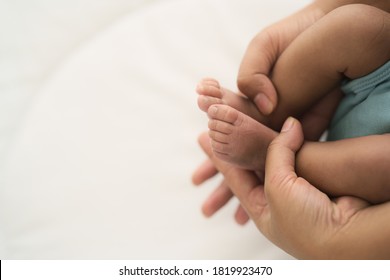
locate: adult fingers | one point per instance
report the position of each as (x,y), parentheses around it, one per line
(241,216)
(253,77)
(244,184)
(221,195)
(204,143)
(204,172)
(218,199)
(280,163)
(207,169)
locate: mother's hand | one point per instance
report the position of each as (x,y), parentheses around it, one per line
(314,124)
(299,218)
(264,50)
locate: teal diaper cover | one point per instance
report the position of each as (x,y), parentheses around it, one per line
(365,109)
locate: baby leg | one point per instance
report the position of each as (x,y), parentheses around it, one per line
(237,138)
(336,47)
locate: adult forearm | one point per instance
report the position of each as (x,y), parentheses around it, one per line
(357,167)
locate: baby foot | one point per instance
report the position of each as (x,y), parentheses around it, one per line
(211,93)
(237,138)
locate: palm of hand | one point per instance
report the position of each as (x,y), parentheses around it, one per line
(287,209)
(301,219)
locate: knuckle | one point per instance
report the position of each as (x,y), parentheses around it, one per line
(252,83)
(243,82)
(273,146)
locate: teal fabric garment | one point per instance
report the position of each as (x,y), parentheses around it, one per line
(365,109)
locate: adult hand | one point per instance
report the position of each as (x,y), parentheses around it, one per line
(295,215)
(221,195)
(299,218)
(314,124)
(254,82)
(264,50)
(266,47)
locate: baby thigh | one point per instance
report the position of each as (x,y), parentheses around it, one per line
(350,41)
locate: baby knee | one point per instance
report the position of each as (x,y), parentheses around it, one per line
(362,21)
(362,32)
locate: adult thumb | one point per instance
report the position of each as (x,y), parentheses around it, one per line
(280,163)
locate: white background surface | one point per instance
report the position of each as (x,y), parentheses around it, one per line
(98,127)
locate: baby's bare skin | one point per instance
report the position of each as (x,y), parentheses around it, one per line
(239,138)
(236,137)
(211,93)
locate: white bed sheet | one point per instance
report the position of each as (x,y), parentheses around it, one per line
(98,127)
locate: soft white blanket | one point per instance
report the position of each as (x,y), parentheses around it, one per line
(98,127)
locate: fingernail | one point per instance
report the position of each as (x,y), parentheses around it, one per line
(288,124)
(263,104)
